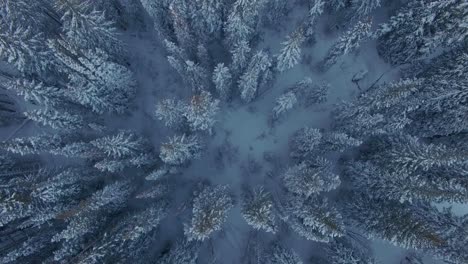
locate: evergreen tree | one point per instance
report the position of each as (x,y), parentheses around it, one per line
(280,255)
(310,93)
(24,12)
(201,112)
(159,12)
(347,43)
(180,12)
(127,240)
(180,150)
(311,177)
(89,219)
(210,208)
(364,8)
(95,81)
(87,27)
(338,4)
(195,75)
(284,103)
(305,142)
(222,79)
(37,92)
(258,211)
(56,120)
(240,54)
(35,144)
(290,54)
(408,226)
(405,153)
(344,252)
(171,112)
(315,11)
(209,16)
(257,75)
(420,27)
(313,218)
(24,48)
(123,144)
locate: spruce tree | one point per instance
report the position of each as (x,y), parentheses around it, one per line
(311,177)
(180,150)
(171,112)
(210,208)
(201,112)
(222,78)
(290,54)
(419,28)
(347,43)
(258,210)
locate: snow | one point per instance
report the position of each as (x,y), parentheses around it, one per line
(245,135)
(247,127)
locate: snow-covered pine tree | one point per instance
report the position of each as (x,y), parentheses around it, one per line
(35,144)
(258,210)
(123,144)
(36,92)
(309,141)
(237,29)
(349,42)
(338,4)
(180,150)
(88,28)
(89,219)
(277,10)
(290,54)
(208,18)
(57,120)
(436,186)
(36,198)
(27,250)
(405,153)
(201,112)
(257,75)
(95,81)
(305,142)
(336,142)
(421,27)
(27,13)
(195,75)
(310,93)
(280,255)
(313,218)
(24,49)
(284,103)
(248,83)
(315,11)
(311,177)
(242,20)
(159,12)
(419,227)
(180,12)
(240,56)
(343,251)
(222,80)
(171,112)
(364,8)
(210,208)
(127,240)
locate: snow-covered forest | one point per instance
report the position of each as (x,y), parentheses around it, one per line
(234,131)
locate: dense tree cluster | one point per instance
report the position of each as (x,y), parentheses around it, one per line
(94,180)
